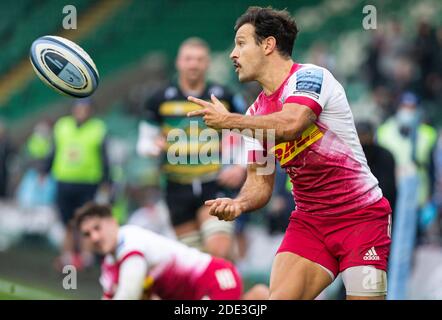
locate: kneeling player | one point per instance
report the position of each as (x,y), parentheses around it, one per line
(139,263)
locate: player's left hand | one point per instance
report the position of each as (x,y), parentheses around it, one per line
(224,208)
(214,113)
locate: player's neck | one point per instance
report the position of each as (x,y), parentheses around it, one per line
(192,88)
(273,76)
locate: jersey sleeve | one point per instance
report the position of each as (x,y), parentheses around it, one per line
(131,279)
(310,86)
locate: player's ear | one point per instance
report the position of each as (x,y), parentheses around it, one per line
(269,45)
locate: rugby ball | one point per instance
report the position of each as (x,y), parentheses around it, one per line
(64,66)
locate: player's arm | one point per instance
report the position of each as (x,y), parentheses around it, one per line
(288,123)
(257,189)
(133,271)
(255,194)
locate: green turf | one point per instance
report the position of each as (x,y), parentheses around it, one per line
(15,291)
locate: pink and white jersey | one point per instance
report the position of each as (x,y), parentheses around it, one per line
(326,164)
(173,267)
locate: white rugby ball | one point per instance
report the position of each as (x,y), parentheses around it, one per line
(64,66)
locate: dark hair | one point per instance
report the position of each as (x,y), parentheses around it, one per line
(91,209)
(270,22)
(83,101)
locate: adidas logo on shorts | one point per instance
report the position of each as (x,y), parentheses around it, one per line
(371,255)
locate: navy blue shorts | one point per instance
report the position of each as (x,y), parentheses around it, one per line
(71,196)
(183,201)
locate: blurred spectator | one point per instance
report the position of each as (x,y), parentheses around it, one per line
(387,44)
(6,152)
(394,46)
(436,227)
(37,188)
(433,81)
(404,77)
(411,142)
(80,165)
(320,55)
(380,161)
(39,145)
(372,69)
(375,106)
(383,101)
(425,50)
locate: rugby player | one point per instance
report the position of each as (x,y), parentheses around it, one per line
(341,220)
(139,263)
(189,185)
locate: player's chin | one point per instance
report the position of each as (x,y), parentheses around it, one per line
(244,78)
(100,249)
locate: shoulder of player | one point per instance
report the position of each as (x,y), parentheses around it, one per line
(164,93)
(307,68)
(260,99)
(130,231)
(169,92)
(310,79)
(220,91)
(129,241)
(64,119)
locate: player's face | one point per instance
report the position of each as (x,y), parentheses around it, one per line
(81,112)
(192,63)
(101,233)
(247,55)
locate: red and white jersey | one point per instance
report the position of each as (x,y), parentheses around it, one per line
(326,164)
(173,267)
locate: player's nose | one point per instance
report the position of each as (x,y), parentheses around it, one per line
(233,55)
(94,236)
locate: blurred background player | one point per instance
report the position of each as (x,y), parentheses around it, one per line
(79,165)
(139,263)
(189,185)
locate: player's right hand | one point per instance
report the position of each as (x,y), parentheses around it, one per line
(224,208)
